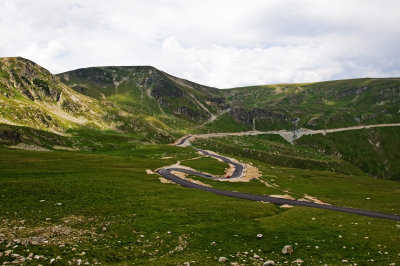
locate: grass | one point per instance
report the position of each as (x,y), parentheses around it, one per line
(263,148)
(207,165)
(224,123)
(375,151)
(118,214)
(334,103)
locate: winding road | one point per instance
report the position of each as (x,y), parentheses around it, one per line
(166,172)
(289,136)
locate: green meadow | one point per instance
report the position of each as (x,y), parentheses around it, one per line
(102,207)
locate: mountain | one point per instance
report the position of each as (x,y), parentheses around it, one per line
(99,107)
(317,105)
(33,97)
(149,91)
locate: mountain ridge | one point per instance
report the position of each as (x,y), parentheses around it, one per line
(97,106)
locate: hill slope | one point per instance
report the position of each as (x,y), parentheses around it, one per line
(317,105)
(31,96)
(141,103)
(149,91)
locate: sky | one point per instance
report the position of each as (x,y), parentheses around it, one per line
(220,43)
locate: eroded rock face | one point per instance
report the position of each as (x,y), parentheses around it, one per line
(246,117)
(33,81)
(9,136)
(191,114)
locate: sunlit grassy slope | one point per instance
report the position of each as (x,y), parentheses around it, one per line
(103,207)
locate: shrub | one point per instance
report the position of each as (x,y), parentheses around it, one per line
(41,84)
(4,74)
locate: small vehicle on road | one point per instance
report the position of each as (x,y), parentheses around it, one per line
(228,176)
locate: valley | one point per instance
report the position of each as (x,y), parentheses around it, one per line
(83,154)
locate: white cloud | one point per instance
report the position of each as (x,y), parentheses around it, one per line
(219,43)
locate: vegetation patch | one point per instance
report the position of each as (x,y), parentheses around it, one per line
(41,84)
(4,74)
(207,165)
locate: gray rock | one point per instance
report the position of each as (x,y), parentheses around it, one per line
(288,249)
(298,261)
(269,263)
(222,259)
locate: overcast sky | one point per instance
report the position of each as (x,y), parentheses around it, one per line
(222,43)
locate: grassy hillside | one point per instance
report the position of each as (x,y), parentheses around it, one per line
(102,207)
(31,96)
(375,151)
(273,150)
(77,153)
(319,105)
(149,91)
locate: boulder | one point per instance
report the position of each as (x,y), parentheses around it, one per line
(288,249)
(269,263)
(222,259)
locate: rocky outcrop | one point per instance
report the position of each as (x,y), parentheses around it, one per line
(29,79)
(350,92)
(246,117)
(9,136)
(171,95)
(191,114)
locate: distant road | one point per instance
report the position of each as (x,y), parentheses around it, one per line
(289,136)
(239,172)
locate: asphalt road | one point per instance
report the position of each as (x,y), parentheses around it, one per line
(239,168)
(238,173)
(166,173)
(183,140)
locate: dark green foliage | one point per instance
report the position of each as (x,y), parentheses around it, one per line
(25,79)
(375,151)
(276,154)
(41,84)
(4,74)
(17,78)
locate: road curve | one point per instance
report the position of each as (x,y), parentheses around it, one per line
(166,172)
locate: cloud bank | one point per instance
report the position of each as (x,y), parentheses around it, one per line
(217,43)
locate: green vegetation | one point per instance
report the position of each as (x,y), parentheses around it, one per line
(282,154)
(106,206)
(375,151)
(76,185)
(41,84)
(4,74)
(207,165)
(148,91)
(224,123)
(322,105)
